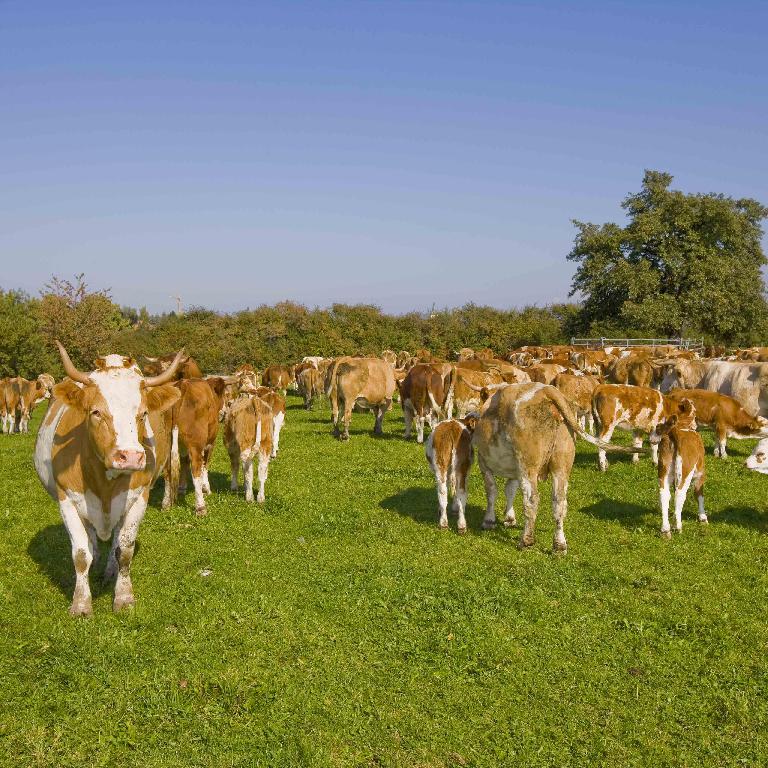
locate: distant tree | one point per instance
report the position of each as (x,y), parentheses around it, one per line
(22,348)
(684,264)
(85,321)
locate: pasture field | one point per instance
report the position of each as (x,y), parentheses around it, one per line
(337,626)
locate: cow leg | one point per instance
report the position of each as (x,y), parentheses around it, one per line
(196,461)
(126,543)
(185,472)
(207,454)
(234,469)
(654,452)
(419,428)
(721,435)
(699,489)
(459,491)
(590,423)
(510,491)
(408,419)
(248,478)
(637,442)
(605,434)
(665,481)
(491,491)
(559,510)
(263,468)
(530,509)
(277,426)
(347,418)
(681,491)
(82,557)
(335,414)
(380,411)
(441,478)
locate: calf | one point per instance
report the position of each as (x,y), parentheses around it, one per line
(449,453)
(681,461)
(723,413)
(639,409)
(277,403)
(248,432)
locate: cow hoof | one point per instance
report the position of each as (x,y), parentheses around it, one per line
(261,498)
(488,525)
(344,438)
(201,511)
(249,497)
(462,531)
(510,522)
(703,519)
(525,543)
(559,547)
(121,602)
(443,526)
(667,534)
(273,455)
(81,608)
(635,458)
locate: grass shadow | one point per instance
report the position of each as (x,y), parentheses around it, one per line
(746,517)
(624,512)
(50,548)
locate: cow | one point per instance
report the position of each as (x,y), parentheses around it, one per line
(279,377)
(524,434)
(681,462)
(188,369)
(746,382)
(366,381)
(450,455)
(248,433)
(465,353)
(578,391)
(426,395)
(639,409)
(594,361)
(635,369)
(389,357)
(102,444)
(277,403)
(246,373)
(723,414)
(309,383)
(468,386)
(4,420)
(30,393)
(195,426)
(545,373)
(758,459)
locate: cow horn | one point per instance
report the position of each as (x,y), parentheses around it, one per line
(69,367)
(150,359)
(167,374)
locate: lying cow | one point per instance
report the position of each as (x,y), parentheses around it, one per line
(639,409)
(449,453)
(526,433)
(681,462)
(102,444)
(724,414)
(248,433)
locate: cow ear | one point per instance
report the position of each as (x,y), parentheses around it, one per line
(470,422)
(217,384)
(70,394)
(162,398)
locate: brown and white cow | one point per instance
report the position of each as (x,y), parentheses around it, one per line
(30,393)
(426,395)
(524,434)
(101,446)
(468,387)
(195,426)
(450,455)
(279,377)
(309,383)
(277,403)
(638,409)
(681,462)
(545,373)
(578,391)
(723,414)
(4,427)
(366,381)
(248,432)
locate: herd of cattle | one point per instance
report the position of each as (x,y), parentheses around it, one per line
(110,433)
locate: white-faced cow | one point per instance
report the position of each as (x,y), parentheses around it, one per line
(102,444)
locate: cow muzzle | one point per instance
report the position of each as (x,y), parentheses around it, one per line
(127,460)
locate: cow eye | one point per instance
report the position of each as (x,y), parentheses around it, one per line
(142,415)
(96,413)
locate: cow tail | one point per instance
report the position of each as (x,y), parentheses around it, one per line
(174,465)
(449,397)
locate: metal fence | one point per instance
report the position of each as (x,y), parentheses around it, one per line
(696,345)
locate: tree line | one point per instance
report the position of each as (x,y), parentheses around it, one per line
(682,265)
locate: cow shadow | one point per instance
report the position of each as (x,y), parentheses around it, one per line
(624,512)
(51,550)
(746,517)
(420,505)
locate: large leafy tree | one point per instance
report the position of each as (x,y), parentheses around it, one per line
(684,264)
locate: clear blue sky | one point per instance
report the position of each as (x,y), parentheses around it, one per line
(398,153)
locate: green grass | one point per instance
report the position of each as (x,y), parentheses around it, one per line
(340,627)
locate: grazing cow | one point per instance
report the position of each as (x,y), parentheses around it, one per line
(723,413)
(366,381)
(468,387)
(449,453)
(279,377)
(309,383)
(426,395)
(681,461)
(277,403)
(578,391)
(639,409)
(188,369)
(526,433)
(102,444)
(248,429)
(195,427)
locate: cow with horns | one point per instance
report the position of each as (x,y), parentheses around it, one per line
(104,441)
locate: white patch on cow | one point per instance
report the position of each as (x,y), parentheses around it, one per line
(277,422)
(120,388)
(44,451)
(758,460)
